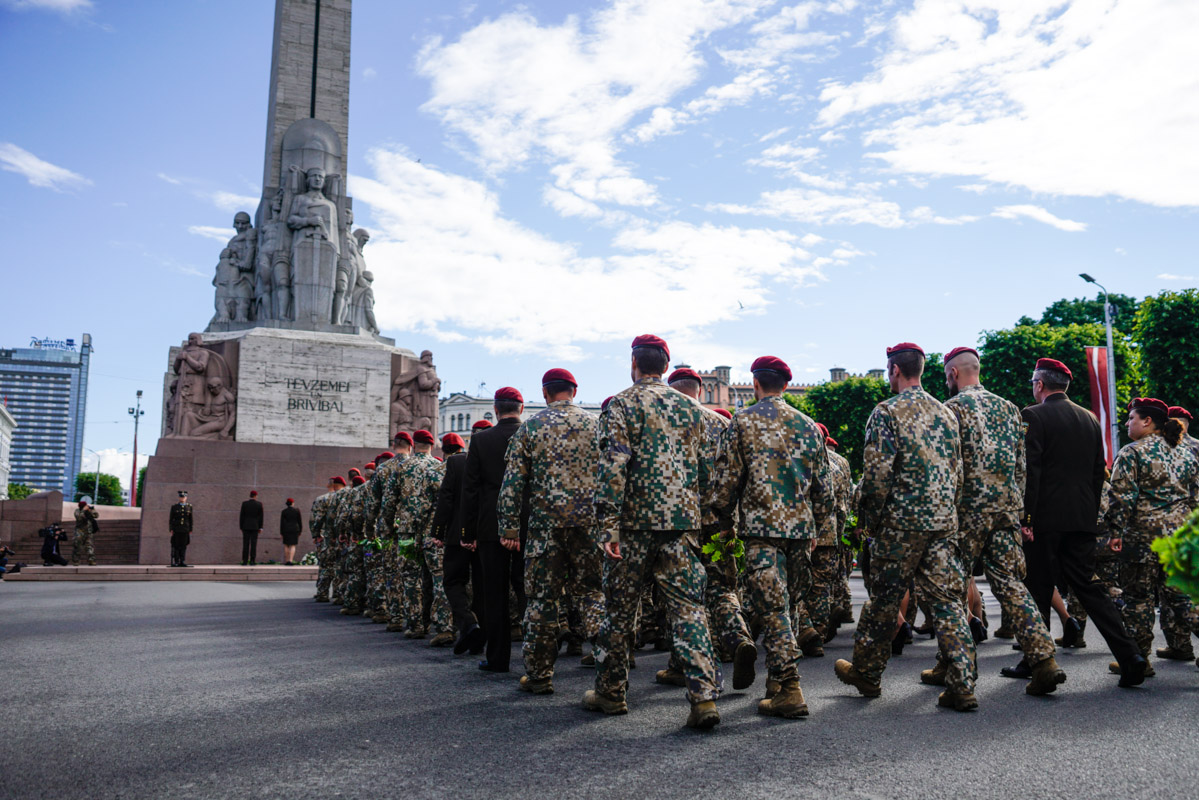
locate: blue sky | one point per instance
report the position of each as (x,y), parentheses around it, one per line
(545,180)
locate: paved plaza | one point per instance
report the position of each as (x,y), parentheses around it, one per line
(252,690)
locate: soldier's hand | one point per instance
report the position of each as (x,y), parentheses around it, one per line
(437,542)
(1116,544)
(510,544)
(470,546)
(612,550)
(1026,532)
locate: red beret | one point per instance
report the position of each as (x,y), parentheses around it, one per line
(1178,412)
(772,363)
(1054,364)
(354,471)
(831,442)
(607,400)
(386,454)
(649,340)
(83,503)
(338,479)
(508,393)
(370,465)
(452,439)
(290,501)
(403,436)
(904,347)
(724,412)
(422,437)
(823,429)
(357,480)
(480,425)
(253,493)
(957,351)
(1149,403)
(559,374)
(684,374)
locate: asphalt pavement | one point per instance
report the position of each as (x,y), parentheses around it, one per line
(190,690)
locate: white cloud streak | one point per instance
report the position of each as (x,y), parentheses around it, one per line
(1040,215)
(39,173)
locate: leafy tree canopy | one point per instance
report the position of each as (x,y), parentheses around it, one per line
(1167,332)
(107,494)
(19,491)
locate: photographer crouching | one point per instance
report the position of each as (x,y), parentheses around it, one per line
(51,537)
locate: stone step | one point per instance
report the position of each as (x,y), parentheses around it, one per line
(140,572)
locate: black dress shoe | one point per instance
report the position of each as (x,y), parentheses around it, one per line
(977,630)
(471,638)
(1071,631)
(486,667)
(1021,671)
(1132,672)
(902,637)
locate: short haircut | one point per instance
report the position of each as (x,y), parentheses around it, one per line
(965,361)
(557,387)
(1054,379)
(506,408)
(686,385)
(771,380)
(909,362)
(651,360)
(450,449)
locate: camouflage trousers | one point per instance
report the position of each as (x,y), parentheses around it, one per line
(354,593)
(440,619)
(999,544)
(410,593)
(1180,618)
(726,622)
(841,599)
(557,561)
(672,559)
(777,570)
(1143,583)
(84,548)
(393,587)
(827,566)
(376,576)
(897,557)
(324,575)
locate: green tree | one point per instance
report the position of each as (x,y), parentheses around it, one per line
(108,493)
(19,491)
(1167,331)
(933,379)
(1009,355)
(141,485)
(1081,311)
(844,407)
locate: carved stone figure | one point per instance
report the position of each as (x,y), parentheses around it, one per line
(363,306)
(243,249)
(172,407)
(231,299)
(272,279)
(195,405)
(215,418)
(349,267)
(414,397)
(316,245)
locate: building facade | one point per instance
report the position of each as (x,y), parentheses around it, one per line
(7,425)
(44,387)
(460,411)
(718,390)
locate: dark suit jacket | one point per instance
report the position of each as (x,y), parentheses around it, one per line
(290,520)
(447,521)
(251,516)
(1065,466)
(482,481)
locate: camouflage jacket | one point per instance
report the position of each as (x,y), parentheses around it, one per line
(651,470)
(993,463)
(348,521)
(773,467)
(911,466)
(316,519)
(83,519)
(417,482)
(386,481)
(550,461)
(1152,492)
(842,480)
(1191,443)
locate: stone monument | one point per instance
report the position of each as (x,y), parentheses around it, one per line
(291,381)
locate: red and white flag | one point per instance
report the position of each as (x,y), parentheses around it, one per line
(1101,398)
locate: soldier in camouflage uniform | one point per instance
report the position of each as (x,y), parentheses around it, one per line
(84,545)
(349,528)
(911,483)
(416,483)
(385,529)
(336,547)
(828,563)
(321,531)
(1178,636)
(1154,486)
(993,468)
(773,470)
(550,465)
(374,558)
(728,627)
(652,476)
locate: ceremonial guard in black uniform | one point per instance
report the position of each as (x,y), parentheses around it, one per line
(181,529)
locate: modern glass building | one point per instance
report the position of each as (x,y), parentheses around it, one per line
(44,387)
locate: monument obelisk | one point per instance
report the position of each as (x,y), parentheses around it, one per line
(290,382)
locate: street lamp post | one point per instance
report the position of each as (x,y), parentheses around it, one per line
(137,414)
(1111,363)
(95,491)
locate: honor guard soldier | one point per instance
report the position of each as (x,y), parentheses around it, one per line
(181,530)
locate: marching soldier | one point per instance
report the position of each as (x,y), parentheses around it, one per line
(322,537)
(827,560)
(652,478)
(551,465)
(349,523)
(907,501)
(385,529)
(774,473)
(376,556)
(181,530)
(415,484)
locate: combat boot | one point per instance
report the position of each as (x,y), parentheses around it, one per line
(847,673)
(351,612)
(587,660)
(671,677)
(936,675)
(414,633)
(395,627)
(811,643)
(574,648)
(1046,675)
(1004,632)
(843,616)
(380,617)
(443,639)
(534,686)
(1174,654)
(787,703)
(958,702)
(594,701)
(772,688)
(703,716)
(321,598)
(744,659)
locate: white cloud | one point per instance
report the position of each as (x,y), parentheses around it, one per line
(114,461)
(1169,276)
(513,289)
(569,204)
(820,208)
(370,72)
(37,172)
(1038,95)
(61,6)
(221,235)
(169,179)
(774,134)
(926,214)
(229,201)
(977,188)
(1040,215)
(784,34)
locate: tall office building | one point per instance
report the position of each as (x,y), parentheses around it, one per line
(44,387)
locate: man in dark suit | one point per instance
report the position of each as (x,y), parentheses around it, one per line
(461,561)
(1061,511)
(181,530)
(502,568)
(251,526)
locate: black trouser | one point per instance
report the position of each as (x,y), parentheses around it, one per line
(178,555)
(249,546)
(461,566)
(55,558)
(1069,557)
(502,568)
